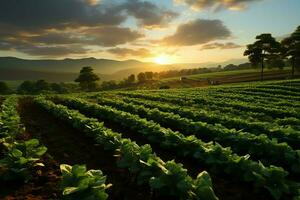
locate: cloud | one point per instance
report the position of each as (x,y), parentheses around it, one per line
(55,51)
(217,4)
(149,14)
(196,32)
(216,45)
(34,25)
(38,50)
(124,52)
(33,14)
(63,43)
(110,36)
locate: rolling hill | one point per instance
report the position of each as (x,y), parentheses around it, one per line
(12,68)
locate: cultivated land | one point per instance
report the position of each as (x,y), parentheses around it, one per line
(224,77)
(237,141)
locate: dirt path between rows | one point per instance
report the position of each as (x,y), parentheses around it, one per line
(224,187)
(67,145)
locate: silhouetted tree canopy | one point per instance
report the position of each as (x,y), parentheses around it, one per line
(265,47)
(131,78)
(4,89)
(87,79)
(291,49)
(141,77)
(149,75)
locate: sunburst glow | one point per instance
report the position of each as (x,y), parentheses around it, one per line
(162,59)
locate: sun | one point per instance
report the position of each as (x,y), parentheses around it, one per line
(162,60)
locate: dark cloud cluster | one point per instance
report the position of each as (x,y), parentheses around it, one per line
(33,15)
(149,14)
(217,4)
(196,32)
(216,45)
(124,52)
(39,26)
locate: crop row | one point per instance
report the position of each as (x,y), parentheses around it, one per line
(202,100)
(272,130)
(262,94)
(19,157)
(10,124)
(139,160)
(237,111)
(260,147)
(217,158)
(250,99)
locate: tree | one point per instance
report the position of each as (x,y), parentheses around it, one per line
(58,88)
(276,62)
(87,79)
(149,75)
(131,78)
(109,85)
(4,89)
(265,47)
(291,48)
(41,85)
(27,87)
(141,77)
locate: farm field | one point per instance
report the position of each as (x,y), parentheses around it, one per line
(224,77)
(238,141)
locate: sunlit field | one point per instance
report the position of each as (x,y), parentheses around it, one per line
(227,142)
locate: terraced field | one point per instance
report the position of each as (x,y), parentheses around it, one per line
(223,142)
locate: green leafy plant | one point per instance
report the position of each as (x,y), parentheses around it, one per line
(78,183)
(20,158)
(10,125)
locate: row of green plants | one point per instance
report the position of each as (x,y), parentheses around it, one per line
(254,100)
(268,88)
(234,90)
(205,100)
(259,94)
(165,178)
(20,160)
(250,99)
(182,101)
(282,87)
(272,130)
(262,94)
(273,91)
(219,160)
(260,147)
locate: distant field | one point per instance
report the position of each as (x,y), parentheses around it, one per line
(235,76)
(213,74)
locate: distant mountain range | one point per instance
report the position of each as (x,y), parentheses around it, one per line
(66,70)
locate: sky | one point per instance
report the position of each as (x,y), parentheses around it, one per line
(161,31)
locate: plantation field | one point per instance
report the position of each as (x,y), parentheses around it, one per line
(225,77)
(238,141)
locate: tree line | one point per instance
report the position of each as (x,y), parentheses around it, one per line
(267,50)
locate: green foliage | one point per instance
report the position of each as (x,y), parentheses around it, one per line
(291,49)
(4,89)
(213,155)
(265,47)
(43,87)
(10,125)
(141,77)
(20,159)
(139,160)
(87,79)
(78,183)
